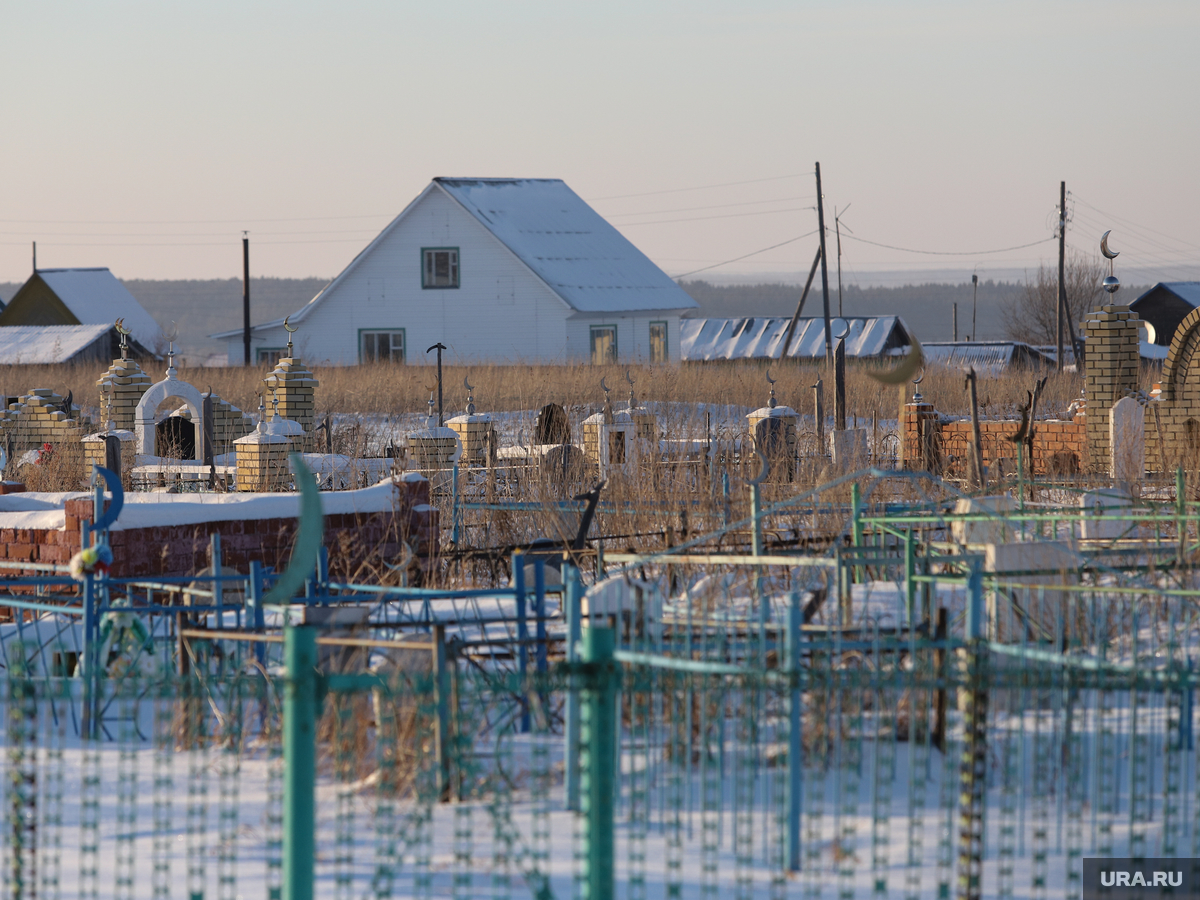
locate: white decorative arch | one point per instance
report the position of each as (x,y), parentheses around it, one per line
(155,396)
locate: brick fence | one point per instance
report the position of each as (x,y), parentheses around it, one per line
(352,538)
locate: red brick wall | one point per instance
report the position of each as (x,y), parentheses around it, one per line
(183,549)
(1058,446)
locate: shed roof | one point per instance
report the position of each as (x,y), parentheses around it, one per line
(46,344)
(96,297)
(761,337)
(564,242)
(989,357)
(1188,291)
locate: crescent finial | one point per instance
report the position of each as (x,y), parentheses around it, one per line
(770,380)
(627,378)
(289,328)
(912,362)
(467,384)
(1108,254)
(919,378)
(763,470)
(604,385)
(121,329)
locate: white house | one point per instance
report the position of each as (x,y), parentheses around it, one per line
(497,269)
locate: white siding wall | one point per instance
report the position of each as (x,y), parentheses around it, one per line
(633,335)
(499,312)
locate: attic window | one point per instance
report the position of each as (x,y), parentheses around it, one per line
(439,268)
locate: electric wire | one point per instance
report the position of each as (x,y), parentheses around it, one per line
(657,212)
(702,187)
(950,252)
(761,212)
(748,255)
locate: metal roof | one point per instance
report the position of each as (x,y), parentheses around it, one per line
(564,242)
(1187,291)
(989,357)
(761,337)
(45,344)
(95,297)
(567,244)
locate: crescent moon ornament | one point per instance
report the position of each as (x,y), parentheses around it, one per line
(604,385)
(919,378)
(467,384)
(909,365)
(845,330)
(763,470)
(770,380)
(289,328)
(1108,254)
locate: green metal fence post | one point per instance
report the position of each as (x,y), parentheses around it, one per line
(973,765)
(910,583)
(573,597)
(795,747)
(441,688)
(856,530)
(299,761)
(600,743)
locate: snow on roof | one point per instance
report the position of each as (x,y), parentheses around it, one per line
(760,337)
(567,244)
(95,297)
(1187,291)
(46,344)
(991,357)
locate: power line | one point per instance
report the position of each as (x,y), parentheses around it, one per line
(949,252)
(188,221)
(1134,224)
(703,187)
(748,255)
(761,212)
(656,212)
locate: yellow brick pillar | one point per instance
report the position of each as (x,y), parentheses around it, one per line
(262,460)
(1111,372)
(294,387)
(123,383)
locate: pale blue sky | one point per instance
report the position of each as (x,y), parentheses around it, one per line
(145,135)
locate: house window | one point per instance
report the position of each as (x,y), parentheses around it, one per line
(439,267)
(604,344)
(658,342)
(381,346)
(270,355)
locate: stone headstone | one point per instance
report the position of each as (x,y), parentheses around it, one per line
(553,426)
(849,448)
(1127,441)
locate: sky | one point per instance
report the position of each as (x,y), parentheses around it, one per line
(146,136)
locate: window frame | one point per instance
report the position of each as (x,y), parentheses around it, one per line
(403,332)
(666,342)
(260,354)
(457,268)
(592,329)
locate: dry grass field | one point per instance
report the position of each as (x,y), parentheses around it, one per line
(394,389)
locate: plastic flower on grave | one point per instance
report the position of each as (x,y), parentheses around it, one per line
(91,561)
(45,454)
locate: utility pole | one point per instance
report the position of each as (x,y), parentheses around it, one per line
(35,257)
(246,296)
(1062,258)
(837,227)
(955,319)
(974,297)
(824,270)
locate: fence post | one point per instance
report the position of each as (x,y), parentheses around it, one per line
(795,747)
(299,761)
(600,740)
(441,689)
(856,530)
(572,597)
(254,598)
(539,612)
(973,768)
(910,584)
(518,583)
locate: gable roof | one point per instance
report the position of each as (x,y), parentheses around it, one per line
(96,297)
(760,337)
(567,244)
(34,345)
(563,241)
(1165,305)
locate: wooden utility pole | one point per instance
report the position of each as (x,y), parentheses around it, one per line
(791,329)
(246,296)
(974,304)
(1062,259)
(837,227)
(824,270)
